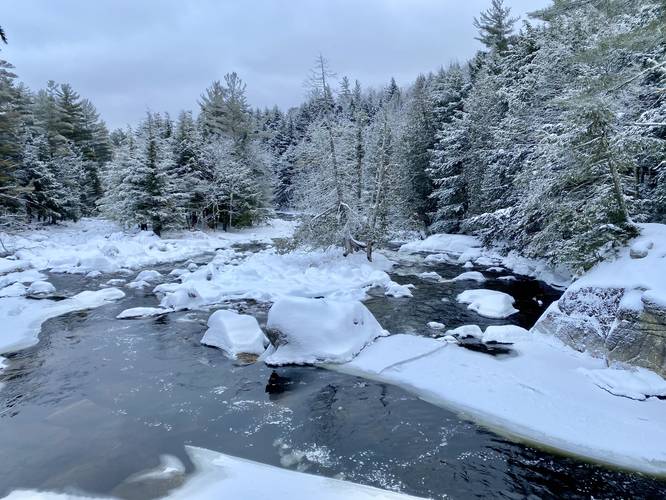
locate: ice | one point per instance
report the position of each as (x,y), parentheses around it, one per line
(543,395)
(141,312)
(22,318)
(637,383)
(234,333)
(41,287)
(148,275)
(320,330)
(470,276)
(488,303)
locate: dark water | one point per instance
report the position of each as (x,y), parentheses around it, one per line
(100,399)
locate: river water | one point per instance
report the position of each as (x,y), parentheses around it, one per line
(99,400)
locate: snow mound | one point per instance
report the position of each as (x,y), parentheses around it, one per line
(14,290)
(637,383)
(430,276)
(319,330)
(393,289)
(234,333)
(454,244)
(142,312)
(470,276)
(434,325)
(138,285)
(148,275)
(41,288)
(488,303)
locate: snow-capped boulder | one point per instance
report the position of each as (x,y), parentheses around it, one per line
(142,312)
(640,249)
(488,303)
(138,285)
(452,244)
(94,274)
(191,267)
(178,272)
(234,333)
(13,290)
(40,288)
(393,289)
(470,276)
(182,298)
(319,330)
(430,276)
(435,325)
(148,275)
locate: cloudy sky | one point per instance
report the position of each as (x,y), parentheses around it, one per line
(128,56)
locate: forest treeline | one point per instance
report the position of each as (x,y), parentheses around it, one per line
(550,141)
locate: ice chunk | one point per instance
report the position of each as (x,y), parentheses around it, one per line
(142,312)
(488,303)
(320,330)
(234,333)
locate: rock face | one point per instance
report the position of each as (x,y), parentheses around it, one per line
(622,325)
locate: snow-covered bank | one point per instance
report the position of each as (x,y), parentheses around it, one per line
(101,245)
(223,476)
(543,395)
(465,250)
(22,318)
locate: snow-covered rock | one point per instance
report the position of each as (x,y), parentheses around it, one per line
(142,312)
(178,272)
(466,330)
(138,285)
(183,298)
(638,383)
(94,274)
(470,276)
(40,288)
(488,303)
(319,330)
(115,282)
(234,333)
(435,325)
(21,277)
(617,310)
(393,289)
(430,276)
(148,275)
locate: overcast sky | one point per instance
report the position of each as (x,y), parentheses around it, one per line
(128,56)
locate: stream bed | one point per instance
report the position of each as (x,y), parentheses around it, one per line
(98,400)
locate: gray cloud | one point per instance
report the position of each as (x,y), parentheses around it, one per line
(128,56)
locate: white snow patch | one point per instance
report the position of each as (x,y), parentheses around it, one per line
(234,333)
(488,303)
(320,330)
(13,290)
(436,325)
(453,244)
(393,289)
(22,318)
(470,276)
(148,275)
(41,287)
(141,312)
(637,383)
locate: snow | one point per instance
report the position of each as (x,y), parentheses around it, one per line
(266,276)
(436,325)
(637,383)
(148,275)
(463,250)
(430,275)
(234,333)
(320,330)
(393,289)
(93,244)
(470,276)
(141,312)
(218,475)
(453,244)
(543,395)
(13,290)
(40,287)
(488,303)
(22,318)
(138,285)
(21,277)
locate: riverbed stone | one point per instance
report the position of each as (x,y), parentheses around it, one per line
(599,321)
